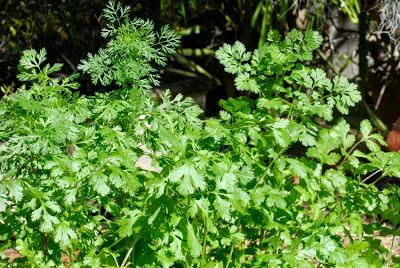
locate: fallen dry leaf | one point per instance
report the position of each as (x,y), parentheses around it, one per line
(12,254)
(145,162)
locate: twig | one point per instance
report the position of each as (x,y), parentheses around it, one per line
(70,64)
(371,175)
(379,100)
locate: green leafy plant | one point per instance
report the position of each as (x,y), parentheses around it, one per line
(120,179)
(128,57)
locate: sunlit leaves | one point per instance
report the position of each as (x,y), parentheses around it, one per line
(187,178)
(344,94)
(324,148)
(126,224)
(276,198)
(372,140)
(115,14)
(64,234)
(266,184)
(193,242)
(131,57)
(234,58)
(99,181)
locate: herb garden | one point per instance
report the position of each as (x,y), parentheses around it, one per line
(124,178)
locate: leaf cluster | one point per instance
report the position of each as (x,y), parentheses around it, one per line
(135,50)
(278,69)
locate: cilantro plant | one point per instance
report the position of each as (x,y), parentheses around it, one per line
(313,185)
(121,179)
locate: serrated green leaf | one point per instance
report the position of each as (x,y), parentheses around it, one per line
(276,198)
(365,128)
(193,242)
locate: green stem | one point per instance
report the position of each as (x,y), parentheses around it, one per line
(264,24)
(131,252)
(268,168)
(230,256)
(348,234)
(379,178)
(196,52)
(204,251)
(124,262)
(351,150)
(183,11)
(116,242)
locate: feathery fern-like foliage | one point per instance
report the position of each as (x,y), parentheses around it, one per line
(132,55)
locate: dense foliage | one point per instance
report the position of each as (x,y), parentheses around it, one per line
(122,179)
